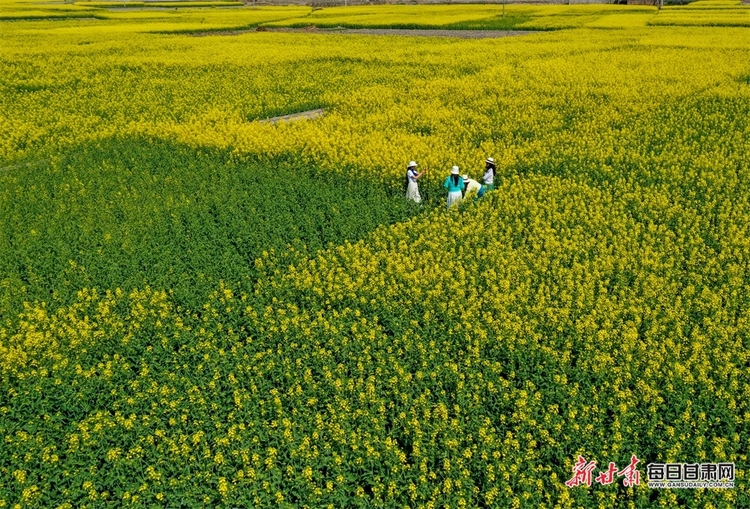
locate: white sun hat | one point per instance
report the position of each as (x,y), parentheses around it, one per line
(454,170)
(490,160)
(412,164)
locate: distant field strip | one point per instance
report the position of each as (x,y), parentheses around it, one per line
(225,18)
(407,32)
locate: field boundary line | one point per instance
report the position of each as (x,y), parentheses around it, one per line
(30,164)
(309,114)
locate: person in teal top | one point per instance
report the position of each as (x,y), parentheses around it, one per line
(454,184)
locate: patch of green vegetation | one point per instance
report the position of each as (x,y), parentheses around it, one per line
(506,22)
(495,23)
(133,212)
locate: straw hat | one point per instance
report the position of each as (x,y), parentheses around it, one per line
(454,170)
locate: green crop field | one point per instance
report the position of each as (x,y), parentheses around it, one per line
(200,307)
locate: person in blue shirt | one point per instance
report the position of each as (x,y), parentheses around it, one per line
(454,184)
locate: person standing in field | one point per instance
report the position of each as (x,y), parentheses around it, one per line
(488,179)
(454,184)
(412,188)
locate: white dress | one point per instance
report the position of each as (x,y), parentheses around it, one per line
(412,190)
(454,197)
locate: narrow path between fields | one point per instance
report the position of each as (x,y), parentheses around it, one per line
(29,164)
(405,32)
(309,114)
(408,32)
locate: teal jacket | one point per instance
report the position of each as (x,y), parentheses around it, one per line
(453,188)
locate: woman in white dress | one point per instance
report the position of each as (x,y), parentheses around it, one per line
(488,179)
(412,188)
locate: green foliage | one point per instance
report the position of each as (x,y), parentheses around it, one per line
(426,363)
(133,212)
(501,22)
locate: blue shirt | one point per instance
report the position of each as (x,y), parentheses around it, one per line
(451,187)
